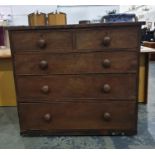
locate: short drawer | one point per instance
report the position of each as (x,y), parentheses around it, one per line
(106,38)
(68,87)
(41,40)
(84,115)
(75,63)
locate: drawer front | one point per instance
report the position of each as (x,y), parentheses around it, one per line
(41,40)
(78,115)
(98,62)
(68,87)
(123,37)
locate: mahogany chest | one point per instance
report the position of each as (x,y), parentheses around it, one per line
(77,79)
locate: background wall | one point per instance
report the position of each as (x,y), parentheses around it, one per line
(143,12)
(74,13)
(77,12)
(93,13)
(19,12)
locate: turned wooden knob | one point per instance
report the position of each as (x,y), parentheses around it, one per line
(106,63)
(41,43)
(47,117)
(45,89)
(43,64)
(107,116)
(106,88)
(106,41)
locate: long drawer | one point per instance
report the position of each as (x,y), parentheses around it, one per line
(114,115)
(76,63)
(66,87)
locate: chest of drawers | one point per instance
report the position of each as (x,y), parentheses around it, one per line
(77,79)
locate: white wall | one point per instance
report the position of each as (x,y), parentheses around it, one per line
(143,12)
(19,12)
(74,13)
(77,13)
(124,8)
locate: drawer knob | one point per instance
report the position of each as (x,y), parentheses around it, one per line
(106,41)
(106,88)
(47,117)
(41,43)
(43,64)
(107,116)
(106,63)
(45,89)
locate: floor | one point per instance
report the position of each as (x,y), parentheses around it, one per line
(145,139)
